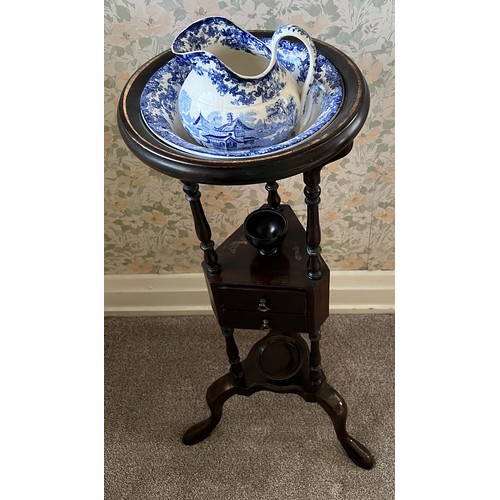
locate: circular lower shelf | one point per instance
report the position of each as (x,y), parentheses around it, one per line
(279,358)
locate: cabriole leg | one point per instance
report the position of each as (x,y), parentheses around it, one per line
(333,403)
(217,394)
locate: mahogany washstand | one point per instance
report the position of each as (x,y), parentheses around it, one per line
(285,294)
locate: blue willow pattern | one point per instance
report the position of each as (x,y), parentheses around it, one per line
(225,89)
(161,92)
(143,210)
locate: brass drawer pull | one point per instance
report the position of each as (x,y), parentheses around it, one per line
(265,326)
(262,307)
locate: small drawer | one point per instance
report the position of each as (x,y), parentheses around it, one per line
(256,321)
(262,300)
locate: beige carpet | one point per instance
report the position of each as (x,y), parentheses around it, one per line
(266,447)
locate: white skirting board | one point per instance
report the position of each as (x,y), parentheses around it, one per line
(361,292)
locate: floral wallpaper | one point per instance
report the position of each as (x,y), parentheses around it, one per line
(148,225)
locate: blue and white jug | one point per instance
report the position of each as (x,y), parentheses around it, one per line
(237,95)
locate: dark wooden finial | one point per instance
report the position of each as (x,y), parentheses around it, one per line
(273,198)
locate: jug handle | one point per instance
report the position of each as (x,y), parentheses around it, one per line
(297,32)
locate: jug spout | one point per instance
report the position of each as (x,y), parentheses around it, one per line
(215,43)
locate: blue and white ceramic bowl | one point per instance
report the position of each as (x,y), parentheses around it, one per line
(160,95)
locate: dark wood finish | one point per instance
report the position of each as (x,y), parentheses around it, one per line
(285,294)
(202,227)
(279,363)
(274,294)
(273,198)
(252,288)
(233,354)
(315,359)
(313,233)
(333,403)
(263,300)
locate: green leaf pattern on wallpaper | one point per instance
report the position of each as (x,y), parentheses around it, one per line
(148,226)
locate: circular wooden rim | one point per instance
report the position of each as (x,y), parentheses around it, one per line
(319,149)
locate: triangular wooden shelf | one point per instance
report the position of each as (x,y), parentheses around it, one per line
(295,302)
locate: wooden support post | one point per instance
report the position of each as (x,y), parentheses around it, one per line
(202,227)
(312,191)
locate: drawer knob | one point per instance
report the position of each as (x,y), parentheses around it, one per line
(263,306)
(265,326)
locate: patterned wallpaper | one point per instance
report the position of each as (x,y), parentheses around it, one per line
(148,225)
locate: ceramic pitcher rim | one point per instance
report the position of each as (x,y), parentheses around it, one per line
(178,52)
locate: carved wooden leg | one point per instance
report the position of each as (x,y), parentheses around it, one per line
(273,198)
(333,403)
(202,227)
(313,231)
(315,359)
(217,394)
(233,354)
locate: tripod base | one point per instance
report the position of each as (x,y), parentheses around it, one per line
(279,362)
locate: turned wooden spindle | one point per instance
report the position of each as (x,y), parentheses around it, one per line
(315,359)
(233,354)
(312,191)
(273,198)
(202,227)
